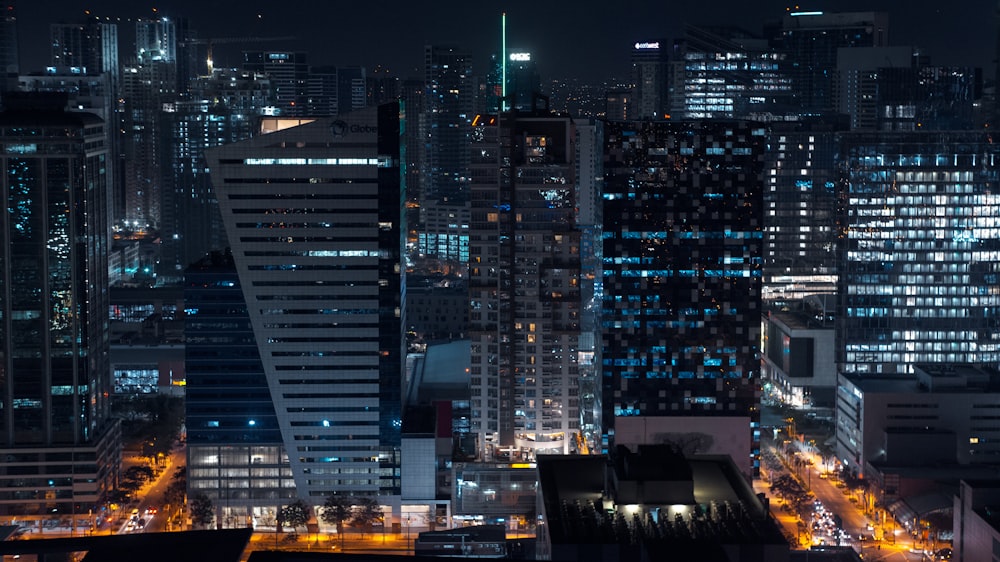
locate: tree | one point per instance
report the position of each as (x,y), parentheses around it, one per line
(294,514)
(366,512)
(202,511)
(174,495)
(336,510)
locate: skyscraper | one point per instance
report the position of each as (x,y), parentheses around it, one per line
(801,218)
(91,44)
(650,67)
(314,215)
(235,453)
(222,108)
(524,84)
(920,267)
(54,331)
(9,61)
(725,72)
(524,286)
(812,39)
(449,92)
(288,72)
(682,282)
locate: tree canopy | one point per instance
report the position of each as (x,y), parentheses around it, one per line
(202,511)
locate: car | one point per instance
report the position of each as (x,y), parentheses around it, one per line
(942,554)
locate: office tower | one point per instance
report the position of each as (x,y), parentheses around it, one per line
(91,44)
(333,90)
(90,48)
(9,61)
(524,286)
(812,40)
(589,188)
(443,152)
(54,333)
(156,39)
(449,88)
(322,91)
(221,109)
(382,86)
(682,285)
(925,97)
(920,266)
(801,208)
(314,217)
(145,88)
(858,88)
(289,75)
(619,105)
(650,80)
(725,72)
(235,453)
(524,85)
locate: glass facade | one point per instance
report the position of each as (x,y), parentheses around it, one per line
(921,251)
(682,270)
(54,338)
(801,199)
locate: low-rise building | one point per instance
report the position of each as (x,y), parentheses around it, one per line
(798,360)
(653,504)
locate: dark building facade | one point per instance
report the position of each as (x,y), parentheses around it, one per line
(682,273)
(235,453)
(54,344)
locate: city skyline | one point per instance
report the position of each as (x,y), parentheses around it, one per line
(581,46)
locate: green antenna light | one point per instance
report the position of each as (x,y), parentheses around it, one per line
(503,61)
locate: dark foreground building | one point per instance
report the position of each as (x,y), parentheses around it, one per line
(653,504)
(214,546)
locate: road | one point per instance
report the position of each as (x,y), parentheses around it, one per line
(153,496)
(836,499)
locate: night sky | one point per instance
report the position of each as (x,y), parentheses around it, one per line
(582,39)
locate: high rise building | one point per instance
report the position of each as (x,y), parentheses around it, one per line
(156,39)
(443,154)
(683,239)
(222,108)
(235,455)
(54,341)
(91,44)
(288,72)
(333,90)
(812,41)
(920,266)
(725,72)
(145,88)
(524,85)
(525,286)
(449,91)
(801,215)
(9,60)
(91,47)
(314,215)
(650,80)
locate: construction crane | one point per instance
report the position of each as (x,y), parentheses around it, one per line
(209,43)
